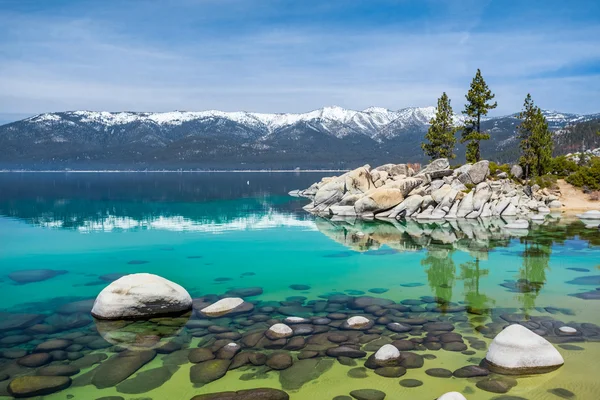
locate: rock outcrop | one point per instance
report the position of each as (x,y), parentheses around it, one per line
(394,191)
(141,296)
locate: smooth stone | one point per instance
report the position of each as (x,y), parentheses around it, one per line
(367,394)
(296,320)
(303,371)
(387,352)
(279,331)
(517,350)
(438,326)
(120,367)
(89,359)
(358,373)
(141,296)
(279,361)
(454,346)
(439,372)
(10,321)
(346,351)
(305,354)
(495,385)
(412,360)
(471,371)
(54,344)
(567,329)
(14,353)
(249,394)
(404,345)
(410,383)
(35,360)
(208,371)
(245,292)
(562,393)
(58,370)
(30,386)
(399,328)
(378,290)
(147,380)
(390,372)
(357,323)
(34,275)
(222,307)
(299,287)
(570,347)
(15,339)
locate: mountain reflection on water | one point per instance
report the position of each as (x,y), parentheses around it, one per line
(224,202)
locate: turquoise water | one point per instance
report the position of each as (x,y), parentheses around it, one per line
(214,233)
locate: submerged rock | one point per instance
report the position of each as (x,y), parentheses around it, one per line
(517,350)
(279,331)
(120,367)
(140,296)
(250,394)
(30,386)
(304,371)
(34,275)
(222,307)
(367,394)
(208,371)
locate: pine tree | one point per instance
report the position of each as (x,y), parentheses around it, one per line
(536,140)
(478,105)
(441,132)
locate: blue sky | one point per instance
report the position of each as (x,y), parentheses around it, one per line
(294,55)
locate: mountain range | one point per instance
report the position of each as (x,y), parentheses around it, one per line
(331,137)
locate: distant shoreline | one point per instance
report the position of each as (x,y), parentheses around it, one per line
(168,171)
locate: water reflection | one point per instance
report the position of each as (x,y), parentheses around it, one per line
(141,335)
(471,274)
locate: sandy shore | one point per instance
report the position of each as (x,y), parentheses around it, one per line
(574,199)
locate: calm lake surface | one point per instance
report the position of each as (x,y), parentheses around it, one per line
(241,233)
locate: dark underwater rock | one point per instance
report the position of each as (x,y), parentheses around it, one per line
(120,367)
(303,371)
(147,380)
(250,394)
(30,386)
(368,394)
(208,371)
(34,275)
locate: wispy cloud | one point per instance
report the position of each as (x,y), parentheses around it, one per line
(264,56)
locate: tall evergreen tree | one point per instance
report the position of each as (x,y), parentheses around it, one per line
(536,140)
(478,105)
(441,132)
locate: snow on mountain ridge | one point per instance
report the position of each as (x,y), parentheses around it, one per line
(375,122)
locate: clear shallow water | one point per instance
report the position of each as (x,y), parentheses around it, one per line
(217,232)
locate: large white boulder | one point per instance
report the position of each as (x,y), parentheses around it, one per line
(452,396)
(380,199)
(222,306)
(139,296)
(517,350)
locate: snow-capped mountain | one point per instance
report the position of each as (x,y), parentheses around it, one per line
(327,136)
(337,121)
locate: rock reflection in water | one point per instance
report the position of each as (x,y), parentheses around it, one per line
(141,335)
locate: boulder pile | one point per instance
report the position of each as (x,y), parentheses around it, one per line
(396,191)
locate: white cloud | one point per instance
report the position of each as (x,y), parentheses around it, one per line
(66,64)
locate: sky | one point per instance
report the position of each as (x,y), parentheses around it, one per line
(294,55)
